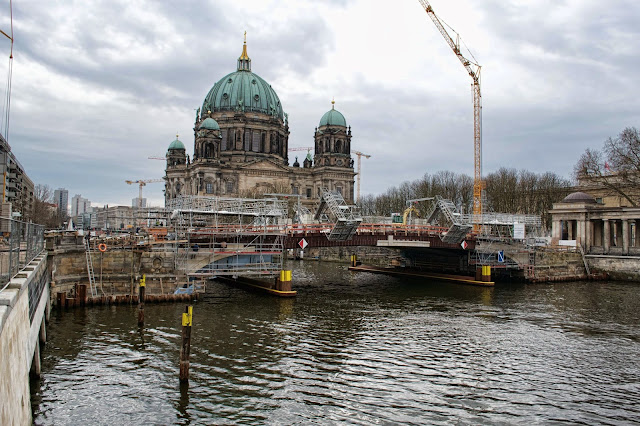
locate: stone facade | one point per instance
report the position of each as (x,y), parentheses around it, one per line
(241,143)
(607,234)
(598,229)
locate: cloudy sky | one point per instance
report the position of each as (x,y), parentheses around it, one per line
(100,86)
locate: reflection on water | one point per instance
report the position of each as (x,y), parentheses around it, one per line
(357,348)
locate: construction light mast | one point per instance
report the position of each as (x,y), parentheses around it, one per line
(360,155)
(474,71)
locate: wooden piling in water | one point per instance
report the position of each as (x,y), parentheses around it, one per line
(141,301)
(62,299)
(185,349)
(81,294)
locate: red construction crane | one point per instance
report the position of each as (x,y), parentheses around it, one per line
(473,68)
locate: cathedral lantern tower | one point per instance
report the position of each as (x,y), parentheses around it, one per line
(333,141)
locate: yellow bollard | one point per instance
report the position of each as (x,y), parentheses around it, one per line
(284,284)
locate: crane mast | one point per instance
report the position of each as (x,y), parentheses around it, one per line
(474,72)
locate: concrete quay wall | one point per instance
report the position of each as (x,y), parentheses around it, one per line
(20,340)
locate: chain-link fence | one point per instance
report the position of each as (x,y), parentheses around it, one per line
(20,243)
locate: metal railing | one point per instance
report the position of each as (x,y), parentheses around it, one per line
(20,243)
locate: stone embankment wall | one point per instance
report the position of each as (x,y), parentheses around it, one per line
(377,256)
(558,265)
(116,271)
(622,268)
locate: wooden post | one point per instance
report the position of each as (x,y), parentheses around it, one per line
(185,350)
(143,283)
(62,299)
(81,293)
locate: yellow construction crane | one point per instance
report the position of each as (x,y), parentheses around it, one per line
(360,155)
(473,68)
(142,183)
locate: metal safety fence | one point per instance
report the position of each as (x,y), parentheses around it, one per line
(20,243)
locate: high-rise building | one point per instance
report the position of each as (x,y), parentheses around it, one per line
(17,188)
(134,202)
(61,199)
(79,205)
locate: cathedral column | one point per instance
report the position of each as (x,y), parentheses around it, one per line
(606,235)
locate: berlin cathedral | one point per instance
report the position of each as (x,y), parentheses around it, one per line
(241,146)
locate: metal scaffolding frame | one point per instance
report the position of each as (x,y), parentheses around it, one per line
(346,218)
(228,236)
(442,210)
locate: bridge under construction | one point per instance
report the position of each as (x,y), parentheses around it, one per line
(233,237)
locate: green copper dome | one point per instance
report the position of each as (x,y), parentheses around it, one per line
(209,124)
(243,91)
(176,144)
(333,117)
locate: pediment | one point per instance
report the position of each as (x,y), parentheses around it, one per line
(266,165)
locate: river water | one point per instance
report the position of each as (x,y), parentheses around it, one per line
(353,348)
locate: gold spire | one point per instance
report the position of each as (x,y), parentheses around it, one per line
(244,48)
(333,103)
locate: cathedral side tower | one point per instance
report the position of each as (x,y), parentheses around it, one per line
(176,171)
(333,141)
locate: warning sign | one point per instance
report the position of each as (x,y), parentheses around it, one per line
(464,245)
(303,244)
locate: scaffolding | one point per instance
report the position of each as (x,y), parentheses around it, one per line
(346,218)
(218,236)
(443,212)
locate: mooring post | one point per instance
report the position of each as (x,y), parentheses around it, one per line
(185,350)
(143,283)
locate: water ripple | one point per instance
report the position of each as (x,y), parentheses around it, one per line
(357,349)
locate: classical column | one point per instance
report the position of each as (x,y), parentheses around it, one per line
(606,235)
(632,225)
(570,229)
(588,235)
(625,236)
(556,229)
(580,237)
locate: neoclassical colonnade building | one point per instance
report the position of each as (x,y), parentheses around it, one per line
(597,228)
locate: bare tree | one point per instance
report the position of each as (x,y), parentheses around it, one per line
(616,167)
(44,212)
